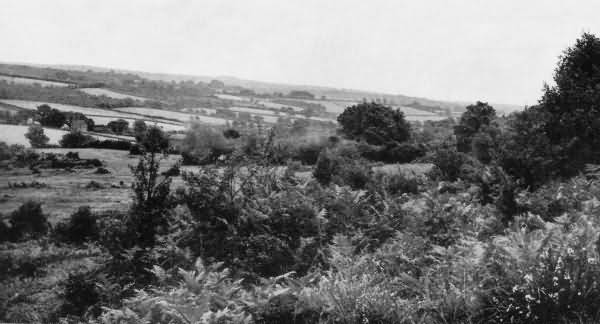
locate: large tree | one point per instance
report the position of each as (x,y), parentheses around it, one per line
(374,123)
(573,104)
(471,122)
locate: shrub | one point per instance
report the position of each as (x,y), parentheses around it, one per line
(397,184)
(28,221)
(75,139)
(374,123)
(449,162)
(231,133)
(80,297)
(81,227)
(325,167)
(35,135)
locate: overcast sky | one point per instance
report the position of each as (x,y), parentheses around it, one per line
(500,51)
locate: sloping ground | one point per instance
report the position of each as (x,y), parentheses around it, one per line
(182,117)
(67,191)
(231,97)
(100,116)
(111,94)
(15,134)
(23,80)
(275,105)
(32,105)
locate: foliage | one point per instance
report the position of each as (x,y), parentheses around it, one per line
(51,117)
(471,122)
(118,126)
(28,221)
(374,123)
(75,139)
(35,135)
(81,227)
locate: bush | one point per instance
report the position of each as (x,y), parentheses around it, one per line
(110,144)
(325,167)
(449,162)
(75,139)
(393,152)
(397,184)
(28,221)
(81,227)
(231,133)
(37,138)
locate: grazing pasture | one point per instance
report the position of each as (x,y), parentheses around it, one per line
(69,190)
(15,134)
(183,117)
(110,94)
(231,97)
(22,80)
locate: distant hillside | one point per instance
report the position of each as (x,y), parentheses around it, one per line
(319,91)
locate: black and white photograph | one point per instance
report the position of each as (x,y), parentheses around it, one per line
(299,161)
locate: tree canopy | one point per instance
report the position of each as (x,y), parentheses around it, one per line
(374,123)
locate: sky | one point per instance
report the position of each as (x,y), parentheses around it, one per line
(500,51)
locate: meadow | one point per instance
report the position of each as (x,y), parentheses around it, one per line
(23,80)
(111,94)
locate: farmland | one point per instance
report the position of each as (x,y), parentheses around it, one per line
(110,93)
(23,80)
(182,117)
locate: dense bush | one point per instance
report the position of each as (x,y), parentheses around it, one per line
(75,139)
(374,123)
(28,221)
(35,135)
(81,227)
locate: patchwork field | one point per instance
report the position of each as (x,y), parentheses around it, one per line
(102,116)
(231,97)
(43,83)
(15,134)
(110,94)
(183,117)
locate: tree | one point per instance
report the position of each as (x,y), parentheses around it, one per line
(471,121)
(139,129)
(151,190)
(35,135)
(75,139)
(573,104)
(51,117)
(374,123)
(118,126)
(155,141)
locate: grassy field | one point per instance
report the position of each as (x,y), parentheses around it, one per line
(21,80)
(103,116)
(67,191)
(183,117)
(15,134)
(110,94)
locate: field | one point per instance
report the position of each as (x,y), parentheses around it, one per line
(67,191)
(275,105)
(43,83)
(231,97)
(103,116)
(15,134)
(183,117)
(110,94)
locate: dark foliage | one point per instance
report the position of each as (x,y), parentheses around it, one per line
(81,227)
(374,123)
(477,116)
(75,139)
(28,221)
